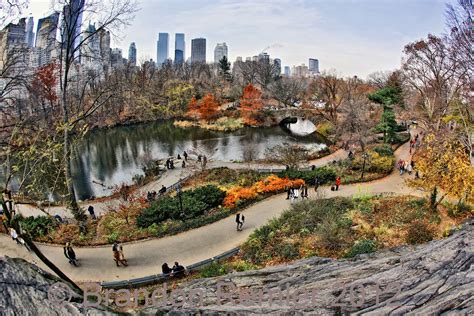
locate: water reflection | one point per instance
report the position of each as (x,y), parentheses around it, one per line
(108,157)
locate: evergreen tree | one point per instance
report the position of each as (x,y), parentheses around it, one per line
(388,125)
(224,68)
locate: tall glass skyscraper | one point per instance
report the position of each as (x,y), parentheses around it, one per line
(30,35)
(162,48)
(313,65)
(71,25)
(132,54)
(220,51)
(179,48)
(198,50)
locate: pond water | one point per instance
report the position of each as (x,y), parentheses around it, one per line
(109,157)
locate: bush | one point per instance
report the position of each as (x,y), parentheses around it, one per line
(419,232)
(324,174)
(38,226)
(384,150)
(195,203)
(213,270)
(362,246)
(376,163)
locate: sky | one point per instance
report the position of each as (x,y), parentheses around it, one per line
(353,37)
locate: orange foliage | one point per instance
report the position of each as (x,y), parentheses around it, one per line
(193,108)
(270,184)
(209,108)
(44,83)
(251,104)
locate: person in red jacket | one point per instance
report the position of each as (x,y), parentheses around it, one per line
(338,183)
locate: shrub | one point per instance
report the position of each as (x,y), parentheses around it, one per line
(360,247)
(333,233)
(384,150)
(325,128)
(419,232)
(38,226)
(195,203)
(287,250)
(324,174)
(213,270)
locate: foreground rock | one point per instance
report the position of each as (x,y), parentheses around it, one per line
(24,290)
(436,278)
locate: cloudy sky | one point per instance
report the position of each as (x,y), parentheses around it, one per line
(355,37)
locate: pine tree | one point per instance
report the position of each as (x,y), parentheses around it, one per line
(224,69)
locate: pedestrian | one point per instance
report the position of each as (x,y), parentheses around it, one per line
(162,190)
(153,195)
(242,221)
(313,167)
(338,183)
(199,158)
(185,155)
(288,193)
(183,164)
(171,164)
(316,184)
(204,161)
(417,175)
(70,254)
(296,194)
(165,269)
(148,196)
(118,254)
(178,270)
(237,220)
(90,209)
(409,168)
(304,192)
(14,235)
(179,157)
(401,164)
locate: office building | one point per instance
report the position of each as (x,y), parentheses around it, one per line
(179,48)
(300,71)
(287,71)
(162,49)
(220,51)
(132,54)
(116,59)
(277,63)
(90,51)
(198,50)
(264,57)
(72,24)
(12,38)
(30,35)
(105,51)
(313,66)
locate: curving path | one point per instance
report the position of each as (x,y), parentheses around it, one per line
(145,257)
(170,177)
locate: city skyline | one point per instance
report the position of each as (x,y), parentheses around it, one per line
(301,29)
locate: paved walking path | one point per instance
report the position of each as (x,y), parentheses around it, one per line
(169,178)
(145,257)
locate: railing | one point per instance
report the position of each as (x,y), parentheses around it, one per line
(156,278)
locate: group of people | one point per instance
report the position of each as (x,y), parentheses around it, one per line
(414,142)
(405,166)
(294,193)
(177,270)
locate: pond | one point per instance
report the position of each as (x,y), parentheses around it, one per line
(109,157)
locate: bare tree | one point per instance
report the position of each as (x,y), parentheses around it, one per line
(111,16)
(291,155)
(328,89)
(289,90)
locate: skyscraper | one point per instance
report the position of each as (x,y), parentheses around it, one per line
(105,51)
(12,38)
(71,25)
(198,50)
(287,71)
(90,51)
(277,62)
(162,48)
(46,38)
(132,54)
(116,59)
(30,35)
(179,48)
(220,51)
(264,57)
(313,66)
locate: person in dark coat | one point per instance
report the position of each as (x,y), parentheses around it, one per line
(166,269)
(185,155)
(162,190)
(178,270)
(70,254)
(90,209)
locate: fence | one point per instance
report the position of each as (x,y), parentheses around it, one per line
(152,279)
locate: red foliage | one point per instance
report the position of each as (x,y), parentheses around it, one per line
(250,104)
(193,108)
(44,83)
(209,108)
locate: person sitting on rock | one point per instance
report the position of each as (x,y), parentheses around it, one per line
(166,269)
(178,270)
(162,190)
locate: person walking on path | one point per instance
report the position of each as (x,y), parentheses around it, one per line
(117,251)
(316,184)
(239,219)
(70,254)
(14,235)
(288,193)
(185,155)
(183,164)
(409,168)
(338,183)
(90,209)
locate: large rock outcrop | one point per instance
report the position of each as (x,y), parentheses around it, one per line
(431,279)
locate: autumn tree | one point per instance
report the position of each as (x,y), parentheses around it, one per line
(289,91)
(328,88)
(251,104)
(208,108)
(443,164)
(193,109)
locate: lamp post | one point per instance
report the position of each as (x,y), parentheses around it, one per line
(178,191)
